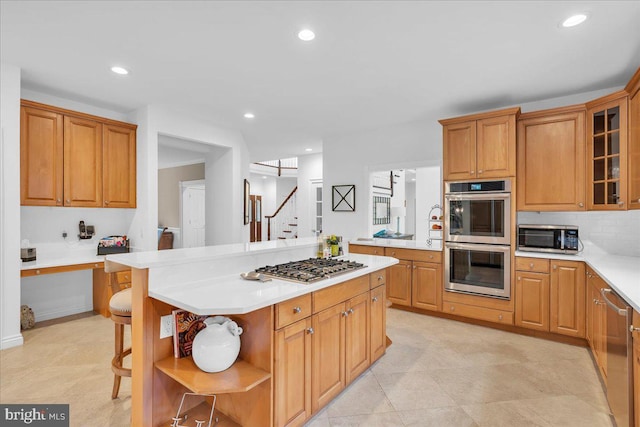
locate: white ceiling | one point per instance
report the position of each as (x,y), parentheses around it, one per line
(372,63)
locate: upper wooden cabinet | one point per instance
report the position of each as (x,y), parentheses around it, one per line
(607,152)
(41,157)
(633,151)
(551,160)
(480,146)
(69,158)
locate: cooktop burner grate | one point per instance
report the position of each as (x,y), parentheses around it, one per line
(310,270)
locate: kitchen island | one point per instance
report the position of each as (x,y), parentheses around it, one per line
(302,343)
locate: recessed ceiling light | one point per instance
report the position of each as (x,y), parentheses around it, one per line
(249,115)
(264,177)
(306,35)
(413,179)
(120,70)
(308,149)
(574,20)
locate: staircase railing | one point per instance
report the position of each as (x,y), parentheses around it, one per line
(282,222)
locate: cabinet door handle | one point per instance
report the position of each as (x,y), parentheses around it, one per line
(393,253)
(379,278)
(453,308)
(471,172)
(621,204)
(414,267)
(350,311)
(310,330)
(581,205)
(480,171)
(58,200)
(430,256)
(638,201)
(555,267)
(596,302)
(531,265)
(633,329)
(37,271)
(106,202)
(297,309)
(68,201)
(519,278)
(345,314)
(374,299)
(500,317)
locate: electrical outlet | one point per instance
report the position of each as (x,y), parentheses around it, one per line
(166,326)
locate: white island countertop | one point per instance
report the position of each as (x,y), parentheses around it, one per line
(620,272)
(207,280)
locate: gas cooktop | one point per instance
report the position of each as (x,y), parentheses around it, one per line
(310,270)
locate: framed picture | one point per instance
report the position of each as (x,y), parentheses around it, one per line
(247,208)
(381,210)
(343,198)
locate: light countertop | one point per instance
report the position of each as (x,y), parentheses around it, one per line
(61,254)
(436,245)
(231,294)
(620,272)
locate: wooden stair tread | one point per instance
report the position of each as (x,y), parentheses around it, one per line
(241,376)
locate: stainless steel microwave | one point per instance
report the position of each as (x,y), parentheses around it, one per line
(561,239)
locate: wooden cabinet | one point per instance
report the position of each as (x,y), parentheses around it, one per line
(551,160)
(532,300)
(41,157)
(327,360)
(399,283)
(633,151)
(366,249)
(293,374)
(378,340)
(357,335)
(82,162)
(597,321)
(567,298)
(607,152)
(480,146)
(554,301)
(119,173)
(68,158)
(416,281)
(426,282)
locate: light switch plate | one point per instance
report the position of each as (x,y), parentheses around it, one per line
(166,326)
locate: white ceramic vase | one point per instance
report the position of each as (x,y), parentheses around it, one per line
(217,346)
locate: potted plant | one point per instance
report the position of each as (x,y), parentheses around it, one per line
(333,243)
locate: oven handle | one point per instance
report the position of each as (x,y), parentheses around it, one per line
(620,311)
(477,196)
(476,246)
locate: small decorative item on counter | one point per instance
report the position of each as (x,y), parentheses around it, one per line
(113,245)
(333,243)
(27,318)
(217,346)
(436,227)
(434,217)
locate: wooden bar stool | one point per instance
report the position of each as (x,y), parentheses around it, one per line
(120,308)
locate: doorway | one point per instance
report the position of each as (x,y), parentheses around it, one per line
(192,213)
(255,218)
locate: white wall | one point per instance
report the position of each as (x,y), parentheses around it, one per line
(10,335)
(309,169)
(226,167)
(349,159)
(428,194)
(410,197)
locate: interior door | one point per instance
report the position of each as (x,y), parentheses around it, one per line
(255,218)
(193,216)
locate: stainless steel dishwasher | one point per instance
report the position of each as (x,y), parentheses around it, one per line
(619,358)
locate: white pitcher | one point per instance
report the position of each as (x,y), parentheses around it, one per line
(216,347)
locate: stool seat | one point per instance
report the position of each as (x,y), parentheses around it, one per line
(120,308)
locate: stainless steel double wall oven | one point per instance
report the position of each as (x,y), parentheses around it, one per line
(478,238)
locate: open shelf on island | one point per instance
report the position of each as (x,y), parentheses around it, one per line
(240,377)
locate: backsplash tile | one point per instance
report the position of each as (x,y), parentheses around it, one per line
(613,232)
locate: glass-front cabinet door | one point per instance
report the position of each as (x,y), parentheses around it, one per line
(607,153)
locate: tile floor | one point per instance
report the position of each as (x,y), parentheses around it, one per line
(438,372)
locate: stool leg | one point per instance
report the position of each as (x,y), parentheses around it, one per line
(117,360)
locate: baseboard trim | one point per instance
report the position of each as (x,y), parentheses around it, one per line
(54,314)
(12,341)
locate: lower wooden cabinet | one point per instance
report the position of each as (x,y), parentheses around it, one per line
(532,300)
(293,373)
(317,356)
(597,321)
(378,340)
(399,283)
(567,298)
(553,302)
(426,286)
